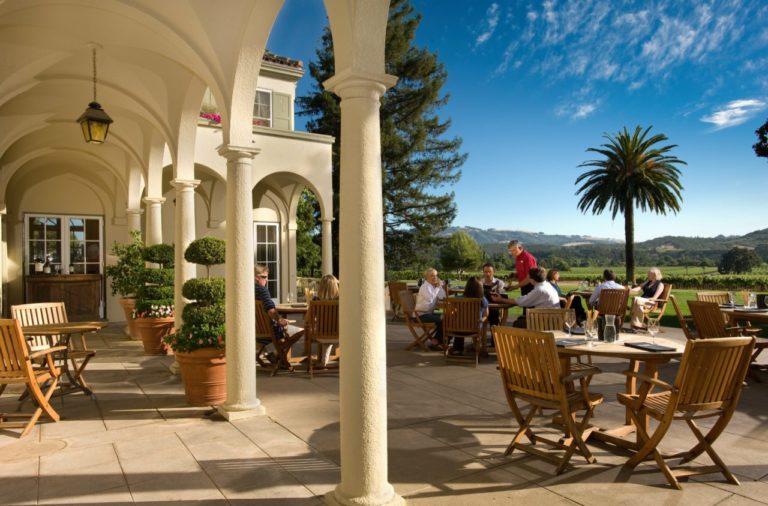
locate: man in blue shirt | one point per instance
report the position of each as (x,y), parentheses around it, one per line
(281,326)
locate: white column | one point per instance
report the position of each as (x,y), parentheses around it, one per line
(134,218)
(291,280)
(154,233)
(241,320)
(363,382)
(327,249)
(3,255)
(184,233)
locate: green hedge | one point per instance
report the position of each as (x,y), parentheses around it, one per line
(204,290)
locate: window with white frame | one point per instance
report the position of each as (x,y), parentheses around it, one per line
(70,244)
(267,252)
(262,108)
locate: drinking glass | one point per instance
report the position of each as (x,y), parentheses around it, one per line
(590,332)
(653,329)
(731,299)
(752,300)
(289,297)
(570,320)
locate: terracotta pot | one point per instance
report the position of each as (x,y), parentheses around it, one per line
(128,304)
(204,374)
(152,332)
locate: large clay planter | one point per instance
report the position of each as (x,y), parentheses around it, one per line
(128,304)
(152,332)
(204,374)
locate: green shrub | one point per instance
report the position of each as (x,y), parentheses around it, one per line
(155,298)
(130,263)
(207,290)
(160,254)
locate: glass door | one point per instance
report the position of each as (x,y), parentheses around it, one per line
(267,252)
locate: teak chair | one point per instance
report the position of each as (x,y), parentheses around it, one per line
(265,335)
(684,321)
(658,306)
(708,384)
(322,324)
(614,301)
(531,373)
(717,297)
(395,287)
(42,313)
(422,332)
(16,369)
(462,319)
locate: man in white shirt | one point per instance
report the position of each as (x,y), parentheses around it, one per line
(543,294)
(609,281)
(430,293)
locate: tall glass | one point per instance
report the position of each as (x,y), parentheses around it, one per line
(653,329)
(570,320)
(590,331)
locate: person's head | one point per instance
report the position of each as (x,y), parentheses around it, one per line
(654,274)
(537,274)
(261,273)
(329,288)
(488,272)
(609,275)
(473,288)
(553,276)
(431,276)
(515,247)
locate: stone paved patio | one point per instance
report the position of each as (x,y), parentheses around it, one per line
(138,442)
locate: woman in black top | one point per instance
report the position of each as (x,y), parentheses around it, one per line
(649,291)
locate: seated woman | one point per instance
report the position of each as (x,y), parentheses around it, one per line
(651,289)
(473,289)
(430,293)
(553,276)
(327,290)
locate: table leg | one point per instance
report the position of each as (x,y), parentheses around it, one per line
(73,382)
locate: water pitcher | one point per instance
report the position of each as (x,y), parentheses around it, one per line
(609,332)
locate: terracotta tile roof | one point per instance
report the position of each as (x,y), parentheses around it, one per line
(282,60)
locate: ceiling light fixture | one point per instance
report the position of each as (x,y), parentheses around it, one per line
(94,121)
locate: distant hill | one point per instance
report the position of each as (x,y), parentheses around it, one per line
(496,236)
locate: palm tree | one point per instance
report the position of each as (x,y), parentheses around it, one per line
(631,174)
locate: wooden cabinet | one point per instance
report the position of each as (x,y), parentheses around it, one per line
(81,293)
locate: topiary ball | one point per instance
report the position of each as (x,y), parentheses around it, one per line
(206,251)
(159,254)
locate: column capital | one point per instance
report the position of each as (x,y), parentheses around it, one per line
(130,210)
(185,184)
(3,208)
(350,83)
(328,220)
(153,200)
(232,152)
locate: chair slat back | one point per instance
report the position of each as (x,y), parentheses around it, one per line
(708,319)
(324,319)
(264,328)
(717,297)
(712,372)
(682,319)
(395,287)
(462,315)
(613,301)
(40,313)
(528,361)
(407,302)
(14,355)
(545,319)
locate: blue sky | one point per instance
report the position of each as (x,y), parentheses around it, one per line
(532,85)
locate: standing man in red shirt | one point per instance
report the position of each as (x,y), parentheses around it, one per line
(524,262)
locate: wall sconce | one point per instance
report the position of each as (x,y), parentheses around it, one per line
(94,121)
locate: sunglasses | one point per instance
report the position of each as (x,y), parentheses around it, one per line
(263,276)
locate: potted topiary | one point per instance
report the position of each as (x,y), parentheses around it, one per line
(153,314)
(125,276)
(199,343)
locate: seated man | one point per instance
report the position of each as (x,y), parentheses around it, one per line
(281,326)
(492,285)
(430,292)
(609,281)
(543,294)
(553,276)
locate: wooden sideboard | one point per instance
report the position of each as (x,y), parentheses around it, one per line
(81,293)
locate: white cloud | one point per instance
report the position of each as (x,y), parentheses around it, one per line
(576,111)
(491,21)
(735,113)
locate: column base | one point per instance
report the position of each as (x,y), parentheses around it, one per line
(331,499)
(232,413)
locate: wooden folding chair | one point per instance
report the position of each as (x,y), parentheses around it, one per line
(265,335)
(708,384)
(658,306)
(42,313)
(395,287)
(684,321)
(422,332)
(531,373)
(717,297)
(614,301)
(16,369)
(462,319)
(322,328)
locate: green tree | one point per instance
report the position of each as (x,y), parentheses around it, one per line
(308,250)
(632,173)
(417,159)
(761,147)
(738,260)
(461,252)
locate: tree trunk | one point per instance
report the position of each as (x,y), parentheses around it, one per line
(629,236)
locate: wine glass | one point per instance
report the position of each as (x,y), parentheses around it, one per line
(731,299)
(589,332)
(570,320)
(653,329)
(289,297)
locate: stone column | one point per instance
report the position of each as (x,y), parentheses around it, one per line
(327,249)
(363,382)
(291,257)
(241,320)
(3,257)
(154,220)
(134,219)
(184,233)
